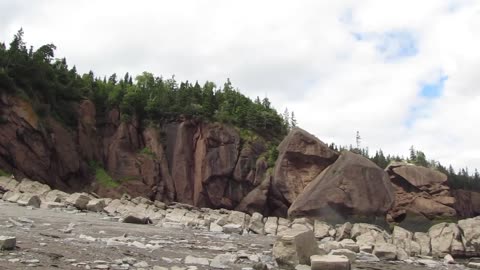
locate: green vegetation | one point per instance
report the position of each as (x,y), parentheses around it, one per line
(4,173)
(147,151)
(102,177)
(53,88)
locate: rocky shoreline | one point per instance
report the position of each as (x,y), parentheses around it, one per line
(359,242)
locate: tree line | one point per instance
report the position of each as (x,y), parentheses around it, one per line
(462,178)
(53,88)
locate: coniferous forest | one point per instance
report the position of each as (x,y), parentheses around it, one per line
(52,87)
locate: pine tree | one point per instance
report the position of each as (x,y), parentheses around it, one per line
(293,120)
(286,118)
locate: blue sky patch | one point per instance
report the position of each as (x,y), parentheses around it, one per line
(397,44)
(433,90)
(428,92)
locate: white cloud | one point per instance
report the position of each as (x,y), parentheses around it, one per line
(302,54)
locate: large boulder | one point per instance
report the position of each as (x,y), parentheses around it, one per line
(421,194)
(471,235)
(295,247)
(8,183)
(352,186)
(301,158)
(32,187)
(256,200)
(446,238)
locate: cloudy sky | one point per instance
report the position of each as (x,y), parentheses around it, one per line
(402,73)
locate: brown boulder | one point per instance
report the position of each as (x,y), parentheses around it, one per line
(256,200)
(302,157)
(419,176)
(352,186)
(419,191)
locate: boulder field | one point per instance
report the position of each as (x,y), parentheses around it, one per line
(303,242)
(209,165)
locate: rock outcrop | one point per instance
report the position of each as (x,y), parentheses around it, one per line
(467,203)
(352,186)
(421,195)
(188,161)
(302,157)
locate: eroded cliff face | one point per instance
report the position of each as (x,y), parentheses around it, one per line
(188,161)
(208,165)
(40,149)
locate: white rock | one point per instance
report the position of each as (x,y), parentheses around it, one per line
(428,263)
(424,242)
(271,225)
(196,260)
(448,259)
(321,229)
(96,205)
(33,187)
(256,224)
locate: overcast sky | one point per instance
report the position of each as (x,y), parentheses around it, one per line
(402,73)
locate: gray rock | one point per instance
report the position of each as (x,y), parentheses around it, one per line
(385,251)
(196,260)
(233,228)
(271,226)
(344,252)
(256,224)
(424,242)
(33,187)
(79,200)
(367,257)
(28,199)
(7,242)
(343,231)
(330,262)
(321,229)
(96,205)
(295,247)
(446,238)
(222,261)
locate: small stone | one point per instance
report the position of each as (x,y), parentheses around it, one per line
(448,259)
(329,262)
(160,268)
(428,263)
(141,264)
(345,252)
(14,260)
(195,260)
(7,242)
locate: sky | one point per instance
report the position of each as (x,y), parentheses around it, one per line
(401,73)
